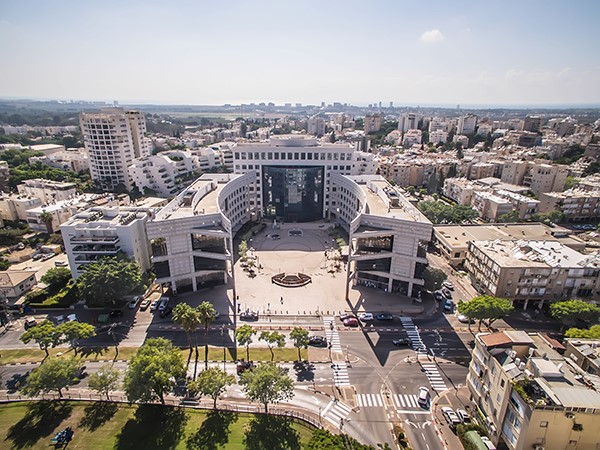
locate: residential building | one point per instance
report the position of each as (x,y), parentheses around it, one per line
(453,240)
(372,123)
(577,205)
(532,124)
(461,139)
(47,191)
(388,235)
(466,124)
(315,126)
(585,354)
(408,121)
(113,138)
(156,173)
(531,397)
(438,136)
(538,177)
(14,283)
(532,271)
(98,232)
(15,206)
(412,137)
(73,159)
(4,176)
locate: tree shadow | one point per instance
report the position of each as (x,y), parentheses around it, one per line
(213,432)
(305,370)
(153,427)
(40,421)
(86,352)
(16,382)
(266,432)
(97,414)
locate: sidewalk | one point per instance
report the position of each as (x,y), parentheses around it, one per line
(456,398)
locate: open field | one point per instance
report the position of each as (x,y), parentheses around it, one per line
(104,425)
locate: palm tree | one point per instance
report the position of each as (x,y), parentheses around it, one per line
(47,218)
(206,312)
(189,319)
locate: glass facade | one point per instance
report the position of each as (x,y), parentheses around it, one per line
(293,193)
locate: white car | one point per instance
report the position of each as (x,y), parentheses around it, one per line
(72,318)
(154,305)
(451,416)
(366,317)
(448,285)
(464,319)
(463,416)
(134,302)
(423,397)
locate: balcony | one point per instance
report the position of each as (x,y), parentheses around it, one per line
(109,240)
(96,249)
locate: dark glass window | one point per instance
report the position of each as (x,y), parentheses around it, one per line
(209,264)
(375,244)
(162,270)
(208,243)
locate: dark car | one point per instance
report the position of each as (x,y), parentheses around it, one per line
(29,323)
(115,313)
(275,236)
(351,322)
(385,316)
(447,293)
(404,342)
(249,315)
(318,341)
(165,312)
(345,316)
(242,366)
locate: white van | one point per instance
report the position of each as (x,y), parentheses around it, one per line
(488,443)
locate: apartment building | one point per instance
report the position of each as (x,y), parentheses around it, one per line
(531,397)
(46,190)
(461,139)
(15,206)
(293,174)
(113,138)
(532,124)
(532,271)
(585,354)
(4,176)
(74,159)
(577,205)
(412,137)
(99,232)
(315,126)
(156,173)
(438,136)
(372,123)
(408,121)
(466,124)
(538,177)
(388,235)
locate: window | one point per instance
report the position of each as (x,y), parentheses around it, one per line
(502,382)
(543,424)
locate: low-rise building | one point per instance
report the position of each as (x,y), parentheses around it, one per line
(14,283)
(46,190)
(73,159)
(538,176)
(14,206)
(155,173)
(412,137)
(577,205)
(529,396)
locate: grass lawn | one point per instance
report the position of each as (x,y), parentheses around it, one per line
(120,426)
(108,354)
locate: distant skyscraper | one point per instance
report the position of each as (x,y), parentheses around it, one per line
(391,104)
(113,138)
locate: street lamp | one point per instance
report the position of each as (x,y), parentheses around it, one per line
(223,337)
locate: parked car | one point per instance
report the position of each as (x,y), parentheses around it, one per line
(366,317)
(439,296)
(404,342)
(82,372)
(447,293)
(60,264)
(72,318)
(423,397)
(134,302)
(385,316)
(144,305)
(463,416)
(58,319)
(488,443)
(317,341)
(216,315)
(345,316)
(275,236)
(37,256)
(163,303)
(448,285)
(242,366)
(30,323)
(248,315)
(154,305)
(451,417)
(449,305)
(165,312)
(351,322)
(464,319)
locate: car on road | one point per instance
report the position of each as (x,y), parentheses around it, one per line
(60,264)
(248,315)
(351,322)
(449,305)
(404,342)
(154,305)
(464,319)
(385,316)
(463,416)
(216,315)
(439,296)
(275,236)
(165,312)
(317,341)
(242,366)
(81,373)
(451,417)
(448,285)
(30,323)
(163,304)
(345,316)
(447,293)
(144,305)
(134,302)
(37,256)
(423,397)
(366,317)
(72,318)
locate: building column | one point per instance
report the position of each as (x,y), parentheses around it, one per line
(525,303)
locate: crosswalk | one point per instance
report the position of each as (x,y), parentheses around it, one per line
(413,334)
(340,374)
(402,402)
(332,335)
(336,411)
(434,377)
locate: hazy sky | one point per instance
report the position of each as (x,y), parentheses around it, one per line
(213,52)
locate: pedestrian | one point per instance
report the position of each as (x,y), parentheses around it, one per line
(282,300)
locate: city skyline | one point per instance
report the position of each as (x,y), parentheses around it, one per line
(536,54)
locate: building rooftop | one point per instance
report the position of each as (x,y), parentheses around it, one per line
(11,278)
(109,217)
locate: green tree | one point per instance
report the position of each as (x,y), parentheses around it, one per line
(300,337)
(47,218)
(243,249)
(54,375)
(267,383)
(244,335)
(206,313)
(486,307)
(72,332)
(56,278)
(591,333)
(272,338)
(152,370)
(105,380)
(570,312)
(509,217)
(323,439)
(433,278)
(549,217)
(43,334)
(570,182)
(107,281)
(189,319)
(438,211)
(212,383)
